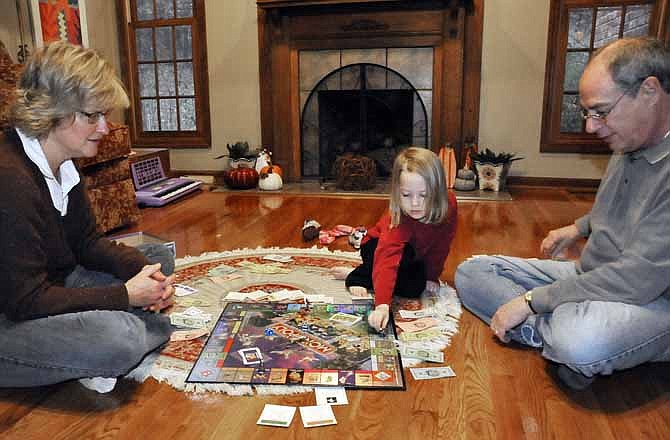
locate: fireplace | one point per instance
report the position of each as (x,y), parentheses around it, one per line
(366,77)
(361,109)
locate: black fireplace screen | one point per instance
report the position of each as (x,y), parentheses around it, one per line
(361,109)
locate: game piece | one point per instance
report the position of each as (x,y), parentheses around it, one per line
(307,347)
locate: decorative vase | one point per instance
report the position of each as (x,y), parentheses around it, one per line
(492,176)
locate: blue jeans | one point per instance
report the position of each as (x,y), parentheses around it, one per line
(85,344)
(590,337)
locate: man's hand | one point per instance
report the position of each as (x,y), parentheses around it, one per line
(559,240)
(432,286)
(150,289)
(379,317)
(508,316)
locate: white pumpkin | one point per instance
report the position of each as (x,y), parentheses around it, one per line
(270,181)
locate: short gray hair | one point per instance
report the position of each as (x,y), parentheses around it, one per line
(631,60)
(59,80)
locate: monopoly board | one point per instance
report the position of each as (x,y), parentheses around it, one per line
(285,344)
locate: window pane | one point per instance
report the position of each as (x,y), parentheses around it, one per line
(579,33)
(165,8)
(184,43)
(145,9)
(164,43)
(168,114)
(608,23)
(184,8)
(149,115)
(574,67)
(144,40)
(147,79)
(637,21)
(571,119)
(185,79)
(187,114)
(166,85)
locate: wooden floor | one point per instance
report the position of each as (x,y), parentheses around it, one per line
(499,392)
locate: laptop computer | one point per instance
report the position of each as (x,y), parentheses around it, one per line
(153,188)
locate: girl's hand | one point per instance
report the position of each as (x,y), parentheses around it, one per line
(379,317)
(432,286)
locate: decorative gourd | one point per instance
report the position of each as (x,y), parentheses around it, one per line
(270,181)
(275,169)
(241,178)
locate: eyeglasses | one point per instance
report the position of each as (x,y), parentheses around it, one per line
(602,116)
(94,117)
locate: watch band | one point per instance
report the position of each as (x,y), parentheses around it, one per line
(528,296)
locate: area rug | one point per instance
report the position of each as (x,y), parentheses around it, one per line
(215,274)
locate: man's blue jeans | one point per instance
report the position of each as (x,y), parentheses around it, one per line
(86,344)
(590,337)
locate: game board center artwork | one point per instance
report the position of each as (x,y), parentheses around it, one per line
(276,321)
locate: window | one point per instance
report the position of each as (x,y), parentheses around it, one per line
(165,67)
(578,28)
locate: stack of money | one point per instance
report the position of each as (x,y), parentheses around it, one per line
(192,317)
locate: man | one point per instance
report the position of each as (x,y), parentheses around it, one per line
(610,310)
(73,304)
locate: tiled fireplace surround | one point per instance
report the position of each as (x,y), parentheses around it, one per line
(300,45)
(415,64)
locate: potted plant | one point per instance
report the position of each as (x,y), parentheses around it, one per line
(239,155)
(492,168)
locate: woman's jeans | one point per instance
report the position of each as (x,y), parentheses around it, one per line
(590,337)
(85,344)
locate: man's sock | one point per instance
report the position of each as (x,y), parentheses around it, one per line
(574,380)
(100,384)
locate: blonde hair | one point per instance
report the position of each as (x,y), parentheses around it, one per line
(426,164)
(59,80)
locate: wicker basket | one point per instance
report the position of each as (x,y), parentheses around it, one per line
(354,172)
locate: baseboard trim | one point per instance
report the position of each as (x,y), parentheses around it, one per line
(554,182)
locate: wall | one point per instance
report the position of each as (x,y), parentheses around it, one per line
(514,55)
(513,65)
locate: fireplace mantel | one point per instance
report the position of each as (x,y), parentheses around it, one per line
(452,28)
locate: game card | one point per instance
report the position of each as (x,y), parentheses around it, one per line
(276,415)
(319,415)
(331,396)
(183,290)
(251,356)
(345,318)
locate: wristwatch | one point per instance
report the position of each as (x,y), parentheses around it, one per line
(528,296)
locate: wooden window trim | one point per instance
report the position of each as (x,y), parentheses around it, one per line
(552,140)
(201,137)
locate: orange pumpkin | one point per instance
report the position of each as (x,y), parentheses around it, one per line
(241,178)
(269,169)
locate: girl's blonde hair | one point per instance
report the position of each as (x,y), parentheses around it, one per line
(426,164)
(59,80)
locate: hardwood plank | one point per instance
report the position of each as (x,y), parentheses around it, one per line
(501,391)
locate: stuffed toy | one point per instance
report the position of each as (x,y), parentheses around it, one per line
(310,230)
(356,237)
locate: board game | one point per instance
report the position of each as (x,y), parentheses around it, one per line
(298,344)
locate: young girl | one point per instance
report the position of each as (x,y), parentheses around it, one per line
(404,253)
